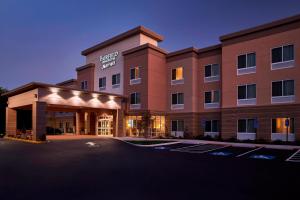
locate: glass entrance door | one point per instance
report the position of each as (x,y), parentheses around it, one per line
(105,125)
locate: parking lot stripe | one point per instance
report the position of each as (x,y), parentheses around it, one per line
(205,151)
(177,149)
(294,157)
(240,155)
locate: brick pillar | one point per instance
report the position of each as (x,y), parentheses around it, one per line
(77,131)
(120,123)
(11,122)
(39,121)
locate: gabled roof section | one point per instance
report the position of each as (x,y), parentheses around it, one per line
(144,46)
(122,36)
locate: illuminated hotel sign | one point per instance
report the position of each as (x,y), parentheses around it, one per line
(108,60)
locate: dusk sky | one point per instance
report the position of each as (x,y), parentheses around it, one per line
(42,40)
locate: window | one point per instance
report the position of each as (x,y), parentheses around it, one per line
(134,73)
(247,91)
(84,85)
(212,70)
(247,60)
(177,125)
(247,125)
(283,88)
(102,82)
(212,126)
(283,125)
(177,73)
(115,79)
(283,53)
(135,98)
(177,98)
(212,96)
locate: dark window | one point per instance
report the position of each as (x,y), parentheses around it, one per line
(251,91)
(174,125)
(132,73)
(135,98)
(241,61)
(173,74)
(208,97)
(283,88)
(177,125)
(102,82)
(242,93)
(284,53)
(215,70)
(246,126)
(215,125)
(207,126)
(208,71)
(247,60)
(116,79)
(177,98)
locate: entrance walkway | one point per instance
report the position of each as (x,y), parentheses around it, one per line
(72,137)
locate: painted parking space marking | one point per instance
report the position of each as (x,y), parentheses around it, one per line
(295,157)
(188,146)
(203,148)
(262,157)
(247,152)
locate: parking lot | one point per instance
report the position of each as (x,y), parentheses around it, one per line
(230,151)
(102,168)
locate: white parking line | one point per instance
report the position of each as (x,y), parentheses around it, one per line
(178,149)
(290,159)
(187,151)
(249,152)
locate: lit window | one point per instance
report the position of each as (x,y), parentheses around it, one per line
(177,98)
(177,73)
(246,60)
(283,88)
(283,125)
(134,73)
(283,53)
(135,98)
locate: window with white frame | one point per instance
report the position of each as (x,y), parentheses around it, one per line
(177,73)
(115,79)
(246,60)
(102,83)
(177,98)
(283,88)
(247,91)
(212,96)
(135,98)
(283,54)
(212,126)
(212,70)
(177,125)
(246,126)
(135,73)
(84,85)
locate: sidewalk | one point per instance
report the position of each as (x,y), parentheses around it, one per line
(235,144)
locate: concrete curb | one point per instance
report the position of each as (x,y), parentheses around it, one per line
(234,144)
(23,140)
(150,145)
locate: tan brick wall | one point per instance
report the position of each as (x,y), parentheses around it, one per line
(39,120)
(11,122)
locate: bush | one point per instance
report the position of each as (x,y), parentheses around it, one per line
(2,135)
(53,131)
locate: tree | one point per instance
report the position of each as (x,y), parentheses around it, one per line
(3,104)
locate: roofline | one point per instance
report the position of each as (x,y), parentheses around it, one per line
(67,81)
(122,36)
(85,67)
(210,48)
(144,46)
(259,28)
(35,85)
(182,51)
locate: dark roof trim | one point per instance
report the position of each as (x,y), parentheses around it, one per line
(182,51)
(144,46)
(210,48)
(122,36)
(67,81)
(263,27)
(34,85)
(85,66)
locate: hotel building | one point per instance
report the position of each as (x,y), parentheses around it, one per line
(247,87)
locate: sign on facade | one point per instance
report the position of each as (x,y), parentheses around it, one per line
(108,60)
